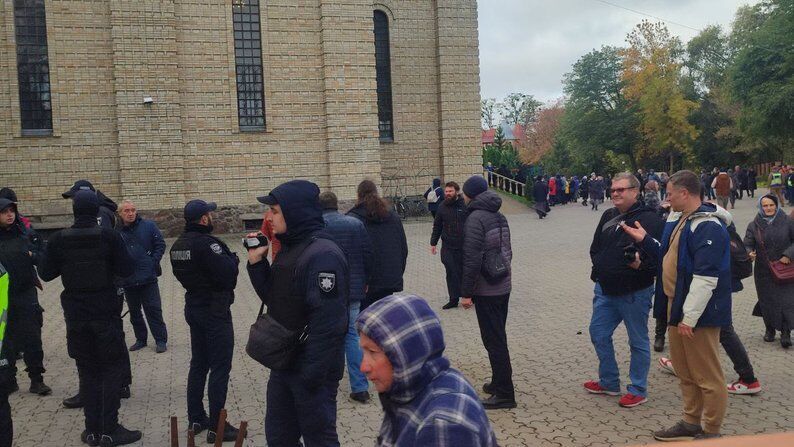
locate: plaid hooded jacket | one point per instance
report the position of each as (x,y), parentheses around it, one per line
(429,402)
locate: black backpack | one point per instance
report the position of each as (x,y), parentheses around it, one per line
(741,264)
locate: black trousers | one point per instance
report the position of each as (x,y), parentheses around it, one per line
(211,347)
(492,318)
(147,297)
(453,264)
(98,348)
(732,345)
(294,411)
(24,335)
(375,295)
(6,425)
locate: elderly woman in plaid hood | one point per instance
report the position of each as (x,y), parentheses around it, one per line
(426,402)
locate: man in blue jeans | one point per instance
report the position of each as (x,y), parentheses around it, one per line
(351,235)
(624,287)
(146,245)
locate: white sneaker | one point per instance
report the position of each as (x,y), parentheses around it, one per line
(666,365)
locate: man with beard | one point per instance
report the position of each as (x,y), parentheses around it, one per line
(448,226)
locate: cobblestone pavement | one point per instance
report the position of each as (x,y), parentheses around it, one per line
(547,330)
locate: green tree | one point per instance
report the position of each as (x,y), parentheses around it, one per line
(598,117)
(652,75)
(762,77)
(499,137)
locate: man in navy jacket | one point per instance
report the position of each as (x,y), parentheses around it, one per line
(146,245)
(694,288)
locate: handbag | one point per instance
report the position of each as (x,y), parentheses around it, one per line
(781,273)
(495,266)
(271,344)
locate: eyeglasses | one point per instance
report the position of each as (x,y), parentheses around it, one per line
(620,190)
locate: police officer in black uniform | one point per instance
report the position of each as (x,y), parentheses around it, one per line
(208,271)
(88,257)
(106,218)
(306,287)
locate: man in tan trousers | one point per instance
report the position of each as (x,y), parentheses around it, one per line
(694,288)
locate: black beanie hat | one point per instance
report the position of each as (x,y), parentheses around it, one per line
(474,186)
(8,193)
(85,203)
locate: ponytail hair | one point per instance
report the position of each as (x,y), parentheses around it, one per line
(375,206)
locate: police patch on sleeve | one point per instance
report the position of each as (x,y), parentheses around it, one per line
(216,248)
(326,281)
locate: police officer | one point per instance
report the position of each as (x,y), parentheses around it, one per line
(24,330)
(208,271)
(106,218)
(306,287)
(88,257)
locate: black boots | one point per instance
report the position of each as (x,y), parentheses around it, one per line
(769,336)
(89,438)
(229,434)
(658,344)
(37,386)
(73,402)
(449,305)
(496,403)
(785,339)
(120,436)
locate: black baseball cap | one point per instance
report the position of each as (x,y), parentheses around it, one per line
(197,208)
(269,199)
(5,203)
(80,185)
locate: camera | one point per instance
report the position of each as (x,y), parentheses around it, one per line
(251,243)
(630,253)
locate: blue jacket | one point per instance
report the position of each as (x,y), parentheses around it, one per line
(352,237)
(429,402)
(703,285)
(146,246)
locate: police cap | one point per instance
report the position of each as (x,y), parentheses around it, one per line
(197,208)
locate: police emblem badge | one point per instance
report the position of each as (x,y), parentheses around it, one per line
(216,248)
(326,281)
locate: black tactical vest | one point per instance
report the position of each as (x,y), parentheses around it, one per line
(186,270)
(287,302)
(14,255)
(86,261)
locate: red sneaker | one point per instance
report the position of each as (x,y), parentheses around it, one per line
(741,387)
(629,400)
(594,387)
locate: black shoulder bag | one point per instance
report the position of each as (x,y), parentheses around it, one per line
(271,344)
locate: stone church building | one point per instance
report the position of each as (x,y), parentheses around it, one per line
(162,101)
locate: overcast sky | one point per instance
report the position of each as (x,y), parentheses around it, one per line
(528,45)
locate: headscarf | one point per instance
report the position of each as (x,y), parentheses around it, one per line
(769,219)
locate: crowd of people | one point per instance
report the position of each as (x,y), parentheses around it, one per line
(331,290)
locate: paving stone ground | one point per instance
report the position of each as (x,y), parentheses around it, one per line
(549,343)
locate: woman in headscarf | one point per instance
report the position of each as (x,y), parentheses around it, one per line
(770,237)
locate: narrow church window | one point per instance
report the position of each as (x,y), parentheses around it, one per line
(383,76)
(33,67)
(248,65)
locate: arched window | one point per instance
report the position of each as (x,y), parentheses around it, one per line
(383,76)
(33,67)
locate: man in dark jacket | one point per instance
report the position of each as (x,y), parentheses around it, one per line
(434,195)
(486,230)
(448,226)
(88,257)
(207,269)
(352,237)
(624,278)
(540,193)
(305,290)
(146,245)
(25,313)
(389,244)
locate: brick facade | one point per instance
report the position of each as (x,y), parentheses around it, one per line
(320,101)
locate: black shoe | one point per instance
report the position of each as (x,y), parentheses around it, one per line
(487,388)
(497,403)
(125,392)
(199,426)
(89,438)
(37,386)
(361,396)
(73,402)
(658,344)
(769,336)
(229,434)
(120,436)
(137,345)
(681,431)
(161,348)
(449,305)
(785,339)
